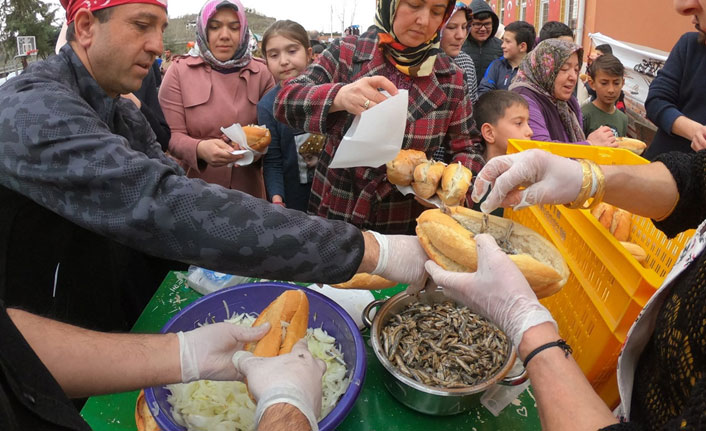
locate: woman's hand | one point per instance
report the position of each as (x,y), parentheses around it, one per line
(362,94)
(602,137)
(548,179)
(216,152)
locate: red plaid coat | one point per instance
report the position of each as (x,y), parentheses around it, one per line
(439,116)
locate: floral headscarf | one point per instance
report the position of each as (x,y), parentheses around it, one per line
(242,55)
(412,61)
(465,6)
(539,70)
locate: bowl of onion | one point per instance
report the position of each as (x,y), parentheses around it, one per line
(332,336)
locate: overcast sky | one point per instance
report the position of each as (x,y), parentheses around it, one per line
(312,14)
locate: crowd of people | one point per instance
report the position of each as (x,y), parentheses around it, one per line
(115,171)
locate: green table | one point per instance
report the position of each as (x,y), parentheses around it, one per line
(375,409)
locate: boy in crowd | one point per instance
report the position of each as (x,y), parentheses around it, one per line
(600,50)
(556,30)
(518,40)
(501,115)
(606,79)
(482,45)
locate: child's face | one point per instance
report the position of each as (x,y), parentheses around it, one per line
(286,58)
(513,125)
(511,50)
(607,87)
(310,160)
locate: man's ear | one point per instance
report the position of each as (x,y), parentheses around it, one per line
(488,132)
(84,27)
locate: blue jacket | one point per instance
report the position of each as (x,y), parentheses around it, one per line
(677,90)
(281,163)
(498,76)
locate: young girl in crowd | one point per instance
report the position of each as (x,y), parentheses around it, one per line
(285,46)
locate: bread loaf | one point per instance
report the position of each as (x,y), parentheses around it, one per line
(427,177)
(454,184)
(293,307)
(634,145)
(259,137)
(400,171)
(365,281)
(448,239)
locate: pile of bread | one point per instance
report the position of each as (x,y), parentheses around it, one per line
(429,177)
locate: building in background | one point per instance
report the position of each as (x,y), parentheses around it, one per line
(652,24)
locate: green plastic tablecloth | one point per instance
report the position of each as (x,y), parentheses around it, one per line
(375,409)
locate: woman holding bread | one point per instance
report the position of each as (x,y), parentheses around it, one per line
(662,367)
(401,52)
(217,88)
(546,79)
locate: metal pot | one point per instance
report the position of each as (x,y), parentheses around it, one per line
(413,394)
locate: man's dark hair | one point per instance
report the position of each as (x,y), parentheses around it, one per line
(102,15)
(492,105)
(480,16)
(524,32)
(605,49)
(554,30)
(609,64)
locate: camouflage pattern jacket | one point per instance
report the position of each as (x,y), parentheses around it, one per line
(94,161)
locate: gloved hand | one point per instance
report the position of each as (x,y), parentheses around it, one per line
(498,290)
(293,378)
(549,179)
(206,352)
(401,259)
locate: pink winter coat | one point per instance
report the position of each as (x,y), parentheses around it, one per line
(197,101)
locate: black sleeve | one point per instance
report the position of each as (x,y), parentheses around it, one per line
(152,110)
(688,172)
(691,418)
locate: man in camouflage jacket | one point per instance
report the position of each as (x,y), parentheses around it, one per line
(90,205)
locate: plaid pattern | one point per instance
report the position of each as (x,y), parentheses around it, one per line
(439,116)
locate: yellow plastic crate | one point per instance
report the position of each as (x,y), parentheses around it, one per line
(607,287)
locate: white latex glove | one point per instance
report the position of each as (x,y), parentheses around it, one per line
(207,352)
(402,260)
(293,378)
(498,290)
(549,179)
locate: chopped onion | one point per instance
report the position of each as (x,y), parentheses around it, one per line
(207,405)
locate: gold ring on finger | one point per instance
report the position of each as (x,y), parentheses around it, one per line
(366,105)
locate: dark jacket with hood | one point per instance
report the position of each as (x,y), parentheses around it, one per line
(483,54)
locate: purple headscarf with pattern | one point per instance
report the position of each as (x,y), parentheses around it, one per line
(539,70)
(242,55)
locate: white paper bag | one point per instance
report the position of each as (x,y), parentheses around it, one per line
(375,137)
(405,190)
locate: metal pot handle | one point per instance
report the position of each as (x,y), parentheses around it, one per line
(514,380)
(367,321)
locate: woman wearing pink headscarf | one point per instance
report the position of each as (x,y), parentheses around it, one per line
(216,88)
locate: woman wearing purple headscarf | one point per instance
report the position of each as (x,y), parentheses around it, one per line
(219,86)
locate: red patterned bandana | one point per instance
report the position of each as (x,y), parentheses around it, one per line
(72,6)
